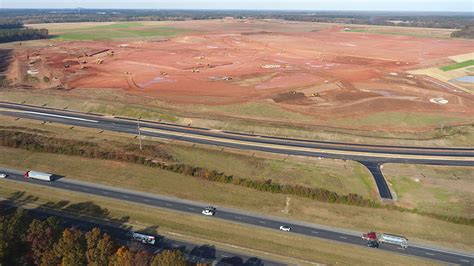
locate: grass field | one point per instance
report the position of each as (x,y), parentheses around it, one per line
(404,31)
(438,189)
(108,31)
(418,228)
(245,239)
(341,177)
(255,110)
(402,119)
(458,65)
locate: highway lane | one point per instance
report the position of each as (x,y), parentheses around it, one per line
(195,253)
(372,156)
(195,208)
(43,113)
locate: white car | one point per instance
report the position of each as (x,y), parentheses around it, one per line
(3,175)
(209,211)
(285,228)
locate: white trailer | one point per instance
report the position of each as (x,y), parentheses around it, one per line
(39,176)
(393,239)
(145,239)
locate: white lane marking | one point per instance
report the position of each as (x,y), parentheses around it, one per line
(224,256)
(343,237)
(315,232)
(168,204)
(400,248)
(61,116)
(463,260)
(262,222)
(431,254)
(85,189)
(192,209)
(306,149)
(147,200)
(105,192)
(238,217)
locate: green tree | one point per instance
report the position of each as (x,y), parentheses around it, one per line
(71,248)
(169,257)
(100,247)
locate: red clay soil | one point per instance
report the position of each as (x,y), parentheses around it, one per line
(233,62)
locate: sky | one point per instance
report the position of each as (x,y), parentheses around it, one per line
(376,5)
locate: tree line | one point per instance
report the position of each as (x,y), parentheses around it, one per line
(39,143)
(28,241)
(11,31)
(466,32)
(450,20)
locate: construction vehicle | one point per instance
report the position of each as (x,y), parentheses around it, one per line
(373,239)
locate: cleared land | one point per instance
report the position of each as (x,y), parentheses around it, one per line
(294,249)
(259,70)
(439,189)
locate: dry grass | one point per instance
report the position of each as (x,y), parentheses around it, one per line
(123,104)
(438,189)
(292,248)
(334,175)
(417,228)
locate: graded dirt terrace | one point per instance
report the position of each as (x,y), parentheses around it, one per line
(322,72)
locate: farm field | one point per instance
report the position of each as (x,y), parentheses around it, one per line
(294,73)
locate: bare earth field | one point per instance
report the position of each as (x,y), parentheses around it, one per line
(309,73)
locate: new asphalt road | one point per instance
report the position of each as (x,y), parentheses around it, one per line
(194,253)
(195,208)
(372,156)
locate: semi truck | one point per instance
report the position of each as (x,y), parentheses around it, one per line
(373,239)
(144,239)
(39,176)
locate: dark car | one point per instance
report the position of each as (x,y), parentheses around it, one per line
(373,244)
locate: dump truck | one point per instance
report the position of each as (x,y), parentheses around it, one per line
(373,239)
(39,176)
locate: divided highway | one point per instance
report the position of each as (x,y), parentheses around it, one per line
(195,208)
(372,156)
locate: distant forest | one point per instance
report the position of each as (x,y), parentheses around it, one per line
(449,20)
(12,31)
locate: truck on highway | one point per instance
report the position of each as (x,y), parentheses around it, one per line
(144,239)
(373,239)
(39,176)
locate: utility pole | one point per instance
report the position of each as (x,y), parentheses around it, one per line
(139,133)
